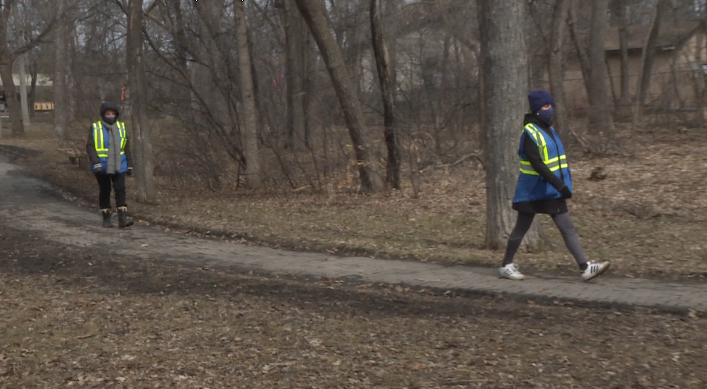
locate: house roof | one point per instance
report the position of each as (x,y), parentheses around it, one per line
(670,35)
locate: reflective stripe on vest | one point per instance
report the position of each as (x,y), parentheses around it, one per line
(123,138)
(553,164)
(99,141)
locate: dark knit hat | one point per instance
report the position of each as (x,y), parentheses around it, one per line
(538,98)
(108,105)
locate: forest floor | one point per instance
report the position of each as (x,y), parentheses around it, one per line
(83,316)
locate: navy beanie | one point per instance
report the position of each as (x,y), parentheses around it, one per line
(538,98)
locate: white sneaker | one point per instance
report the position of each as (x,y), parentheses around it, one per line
(511,272)
(594,269)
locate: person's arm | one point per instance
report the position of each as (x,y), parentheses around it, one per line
(533,153)
(91,148)
(128,154)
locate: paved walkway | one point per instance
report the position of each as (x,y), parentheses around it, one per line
(28,204)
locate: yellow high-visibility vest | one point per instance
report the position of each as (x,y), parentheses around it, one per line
(554,164)
(99,135)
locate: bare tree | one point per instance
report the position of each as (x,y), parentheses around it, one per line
(215,77)
(313,14)
(61,72)
(385,77)
(253,177)
(599,111)
(295,34)
(578,45)
(22,65)
(144,158)
(11,49)
(194,78)
(618,9)
(699,73)
(557,62)
(7,58)
(24,102)
(644,78)
(505,80)
(33,69)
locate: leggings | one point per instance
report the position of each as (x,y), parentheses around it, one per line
(562,221)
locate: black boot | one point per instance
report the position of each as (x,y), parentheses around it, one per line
(123,220)
(106,218)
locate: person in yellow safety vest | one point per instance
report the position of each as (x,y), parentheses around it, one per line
(108,149)
(544,184)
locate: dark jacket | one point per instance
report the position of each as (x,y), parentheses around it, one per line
(554,206)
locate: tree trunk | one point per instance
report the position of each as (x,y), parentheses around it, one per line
(7,58)
(312,66)
(505,80)
(217,70)
(699,74)
(18,128)
(579,47)
(189,103)
(599,111)
(61,90)
(6,61)
(72,87)
(624,101)
(225,62)
(32,94)
(380,49)
(22,64)
(644,78)
(180,37)
(313,14)
(254,179)
(143,155)
(294,25)
(538,54)
(557,63)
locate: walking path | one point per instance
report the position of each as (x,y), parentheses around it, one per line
(29,204)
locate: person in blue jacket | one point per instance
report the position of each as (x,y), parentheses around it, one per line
(108,149)
(544,184)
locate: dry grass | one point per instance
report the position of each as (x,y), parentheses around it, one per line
(648,216)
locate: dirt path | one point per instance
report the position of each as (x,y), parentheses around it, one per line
(30,205)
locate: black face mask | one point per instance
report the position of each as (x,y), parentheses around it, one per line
(110,121)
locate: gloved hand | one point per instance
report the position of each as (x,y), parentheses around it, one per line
(565,191)
(130,171)
(97,169)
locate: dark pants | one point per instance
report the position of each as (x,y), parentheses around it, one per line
(563,223)
(104,184)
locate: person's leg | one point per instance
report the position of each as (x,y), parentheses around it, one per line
(104,188)
(563,222)
(589,269)
(523,223)
(119,188)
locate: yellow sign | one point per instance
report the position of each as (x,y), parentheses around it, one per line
(43,106)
